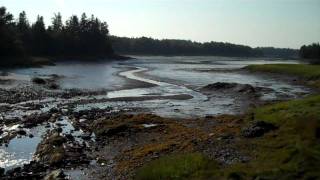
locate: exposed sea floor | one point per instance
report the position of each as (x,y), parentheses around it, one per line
(166,86)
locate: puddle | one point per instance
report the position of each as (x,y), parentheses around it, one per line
(149,125)
(20,150)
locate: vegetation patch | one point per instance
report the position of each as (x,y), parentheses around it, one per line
(51,150)
(292,151)
(310,72)
(184,166)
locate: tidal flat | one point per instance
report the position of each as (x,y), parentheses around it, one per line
(113,119)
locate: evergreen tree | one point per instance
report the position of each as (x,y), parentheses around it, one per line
(10,45)
(24,30)
(39,37)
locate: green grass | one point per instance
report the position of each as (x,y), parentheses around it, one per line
(310,72)
(186,166)
(291,152)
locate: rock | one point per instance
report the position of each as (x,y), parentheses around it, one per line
(257,129)
(13,172)
(11,121)
(221,86)
(69,137)
(64,111)
(54,110)
(38,80)
(35,119)
(82,120)
(59,130)
(21,132)
(53,86)
(317,133)
(1,171)
(226,136)
(51,150)
(3,73)
(113,131)
(31,135)
(47,126)
(55,175)
(86,136)
(55,76)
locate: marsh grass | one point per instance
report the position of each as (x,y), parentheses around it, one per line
(310,72)
(290,152)
(185,166)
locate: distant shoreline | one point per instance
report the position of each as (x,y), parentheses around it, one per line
(35,61)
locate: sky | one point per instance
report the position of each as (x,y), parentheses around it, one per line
(278,23)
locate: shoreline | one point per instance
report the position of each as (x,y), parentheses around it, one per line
(39,61)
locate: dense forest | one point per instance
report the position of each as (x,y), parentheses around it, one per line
(311,52)
(77,37)
(149,46)
(278,52)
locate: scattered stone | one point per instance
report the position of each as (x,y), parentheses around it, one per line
(258,129)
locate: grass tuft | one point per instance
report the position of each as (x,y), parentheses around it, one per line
(184,166)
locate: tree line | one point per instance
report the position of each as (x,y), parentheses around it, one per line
(311,52)
(150,46)
(84,36)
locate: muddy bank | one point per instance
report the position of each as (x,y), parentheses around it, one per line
(122,143)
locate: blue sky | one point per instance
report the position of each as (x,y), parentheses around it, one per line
(279,23)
